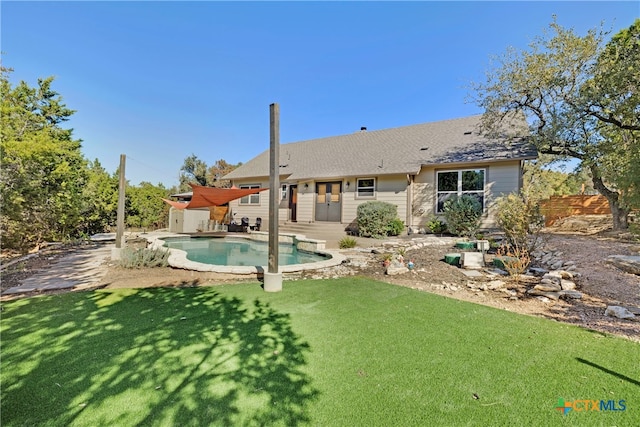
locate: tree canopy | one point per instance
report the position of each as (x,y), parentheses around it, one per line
(43,170)
(48,190)
(581,100)
(195,170)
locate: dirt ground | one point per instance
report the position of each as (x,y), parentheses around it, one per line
(601,284)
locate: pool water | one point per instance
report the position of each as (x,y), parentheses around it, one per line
(225,251)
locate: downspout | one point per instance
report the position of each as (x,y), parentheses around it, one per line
(409,219)
(520,177)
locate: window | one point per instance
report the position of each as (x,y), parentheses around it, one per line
(284,192)
(457,183)
(366,187)
(251,199)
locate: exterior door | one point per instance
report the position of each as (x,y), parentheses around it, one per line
(293,203)
(329,201)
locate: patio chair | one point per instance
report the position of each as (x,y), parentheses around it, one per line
(258,224)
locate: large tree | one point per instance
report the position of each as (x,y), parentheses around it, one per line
(43,171)
(575,93)
(615,91)
(99,199)
(145,208)
(194,171)
(219,169)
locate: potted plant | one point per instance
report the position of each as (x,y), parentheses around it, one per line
(401,253)
(386,259)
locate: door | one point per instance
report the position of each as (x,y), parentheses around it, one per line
(293,203)
(329,201)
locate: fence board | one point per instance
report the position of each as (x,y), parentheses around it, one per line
(557,207)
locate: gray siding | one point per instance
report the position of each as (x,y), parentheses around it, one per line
(391,189)
(500,179)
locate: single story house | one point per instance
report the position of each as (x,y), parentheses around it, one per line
(415,167)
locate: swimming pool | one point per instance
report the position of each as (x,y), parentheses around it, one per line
(239,252)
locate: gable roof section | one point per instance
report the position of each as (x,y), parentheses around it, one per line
(398,150)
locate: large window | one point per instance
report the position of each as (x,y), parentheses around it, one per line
(366,188)
(457,183)
(251,199)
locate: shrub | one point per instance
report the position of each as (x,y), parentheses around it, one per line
(520,220)
(374,218)
(395,227)
(347,242)
(516,260)
(463,215)
(137,258)
(436,226)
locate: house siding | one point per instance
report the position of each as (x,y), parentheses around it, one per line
(500,179)
(390,189)
(261,210)
(306,200)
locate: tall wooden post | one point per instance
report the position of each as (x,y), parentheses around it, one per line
(273,278)
(120,215)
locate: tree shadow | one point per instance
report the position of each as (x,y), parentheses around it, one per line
(609,371)
(180,356)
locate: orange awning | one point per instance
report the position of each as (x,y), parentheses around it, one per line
(204,197)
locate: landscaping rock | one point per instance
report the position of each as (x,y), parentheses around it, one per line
(567,285)
(571,294)
(548,287)
(498,272)
(394,270)
(556,265)
(495,284)
(551,277)
(538,270)
(552,295)
(619,312)
(628,263)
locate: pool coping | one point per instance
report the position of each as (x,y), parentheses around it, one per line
(178,257)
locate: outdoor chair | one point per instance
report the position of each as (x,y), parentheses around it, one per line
(258,224)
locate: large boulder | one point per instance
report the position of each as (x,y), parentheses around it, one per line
(619,312)
(628,263)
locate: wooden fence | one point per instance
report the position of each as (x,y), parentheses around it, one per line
(562,206)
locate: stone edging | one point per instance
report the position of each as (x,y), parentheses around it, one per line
(178,259)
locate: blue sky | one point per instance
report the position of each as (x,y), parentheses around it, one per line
(159,81)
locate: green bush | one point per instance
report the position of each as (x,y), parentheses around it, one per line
(347,242)
(375,217)
(395,227)
(138,258)
(463,215)
(520,220)
(436,226)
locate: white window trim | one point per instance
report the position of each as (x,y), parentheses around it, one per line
(284,191)
(459,191)
(248,201)
(366,196)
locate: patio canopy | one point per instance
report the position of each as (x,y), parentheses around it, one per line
(204,197)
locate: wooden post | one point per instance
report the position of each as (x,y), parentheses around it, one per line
(120,214)
(272,278)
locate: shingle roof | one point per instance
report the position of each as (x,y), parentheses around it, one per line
(389,151)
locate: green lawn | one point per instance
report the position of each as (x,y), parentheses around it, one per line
(347,352)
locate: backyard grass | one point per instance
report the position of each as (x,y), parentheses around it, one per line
(345,352)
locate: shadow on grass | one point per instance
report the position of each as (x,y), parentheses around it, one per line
(609,371)
(180,356)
